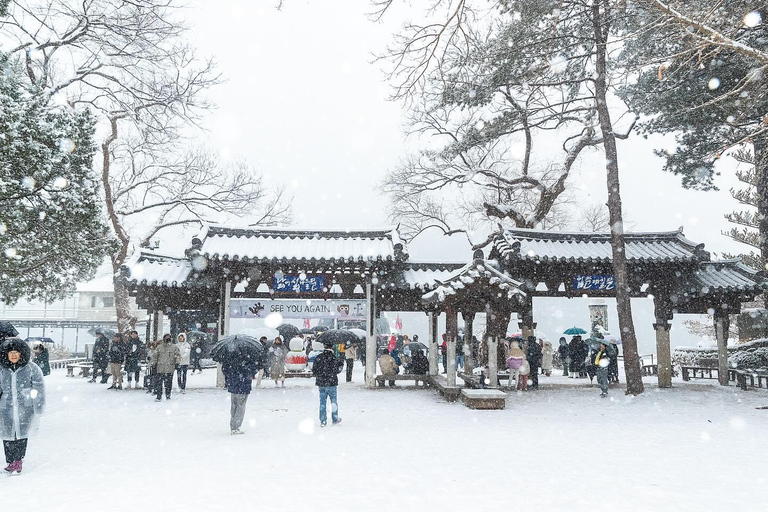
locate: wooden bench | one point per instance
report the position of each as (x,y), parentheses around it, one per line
(451,393)
(381,379)
(484,398)
(298,375)
(649,370)
(744,376)
(85,369)
(704,372)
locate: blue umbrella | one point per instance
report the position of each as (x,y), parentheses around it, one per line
(575,330)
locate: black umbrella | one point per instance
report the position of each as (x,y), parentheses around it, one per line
(307,331)
(288,331)
(93,331)
(7,330)
(319,328)
(237,348)
(337,337)
(416,345)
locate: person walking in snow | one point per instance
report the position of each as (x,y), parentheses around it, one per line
(350,354)
(515,358)
(564,354)
(135,350)
(444,352)
(601,360)
(326,369)
(42,358)
(547,355)
(168,356)
(116,359)
(152,366)
(534,360)
(263,361)
(574,353)
(100,357)
(185,349)
(238,375)
(22,399)
(277,353)
(196,354)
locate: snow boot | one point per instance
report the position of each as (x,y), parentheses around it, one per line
(18,466)
(11,467)
(337,421)
(237,432)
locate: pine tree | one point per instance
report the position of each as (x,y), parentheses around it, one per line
(52,232)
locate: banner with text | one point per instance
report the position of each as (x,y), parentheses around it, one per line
(260,308)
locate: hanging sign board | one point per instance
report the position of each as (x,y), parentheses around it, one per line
(594,282)
(290,283)
(261,308)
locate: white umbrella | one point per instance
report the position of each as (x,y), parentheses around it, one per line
(612,337)
(258,332)
(360,333)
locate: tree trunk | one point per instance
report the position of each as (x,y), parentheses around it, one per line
(125,319)
(629,342)
(496,325)
(761,171)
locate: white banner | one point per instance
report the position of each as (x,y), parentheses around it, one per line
(260,308)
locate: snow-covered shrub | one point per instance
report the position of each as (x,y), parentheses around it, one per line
(58,352)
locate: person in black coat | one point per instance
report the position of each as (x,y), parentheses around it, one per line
(534,360)
(419,363)
(238,375)
(574,352)
(326,369)
(116,354)
(564,354)
(100,357)
(133,356)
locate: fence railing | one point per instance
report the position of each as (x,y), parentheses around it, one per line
(62,363)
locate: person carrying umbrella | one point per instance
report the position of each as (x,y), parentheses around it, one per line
(22,399)
(238,374)
(100,357)
(601,360)
(349,354)
(326,369)
(534,360)
(42,358)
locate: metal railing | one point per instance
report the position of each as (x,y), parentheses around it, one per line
(58,364)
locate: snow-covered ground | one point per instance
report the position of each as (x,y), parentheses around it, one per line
(695,447)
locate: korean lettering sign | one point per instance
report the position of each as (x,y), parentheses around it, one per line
(288,283)
(594,282)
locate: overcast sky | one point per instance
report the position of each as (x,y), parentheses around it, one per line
(305,104)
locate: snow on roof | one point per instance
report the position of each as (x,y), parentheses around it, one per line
(547,245)
(728,275)
(147,267)
(256,243)
(467,275)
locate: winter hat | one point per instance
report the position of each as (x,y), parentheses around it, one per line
(14,344)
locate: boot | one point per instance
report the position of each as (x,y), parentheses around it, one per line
(18,466)
(10,468)
(282,384)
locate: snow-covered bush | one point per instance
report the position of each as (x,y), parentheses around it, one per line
(752,355)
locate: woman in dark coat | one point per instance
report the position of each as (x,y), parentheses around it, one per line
(135,351)
(564,354)
(42,359)
(574,353)
(22,398)
(534,360)
(100,358)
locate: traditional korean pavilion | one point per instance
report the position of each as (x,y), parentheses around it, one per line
(224,264)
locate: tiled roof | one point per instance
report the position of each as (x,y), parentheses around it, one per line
(427,276)
(146,268)
(260,244)
(467,275)
(528,244)
(728,275)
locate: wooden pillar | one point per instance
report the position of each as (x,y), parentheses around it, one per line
(452,333)
(663,311)
(526,324)
(150,320)
(157,325)
(370,336)
(224,314)
(493,369)
(722,324)
(432,341)
(469,363)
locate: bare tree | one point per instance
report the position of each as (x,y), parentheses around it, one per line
(562,48)
(129,62)
(594,218)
